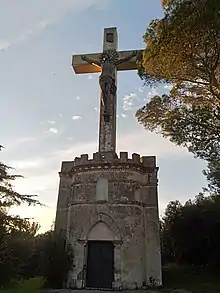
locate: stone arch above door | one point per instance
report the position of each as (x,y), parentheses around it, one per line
(104,218)
(100,231)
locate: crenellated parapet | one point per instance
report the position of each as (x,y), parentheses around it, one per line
(110,161)
(66,167)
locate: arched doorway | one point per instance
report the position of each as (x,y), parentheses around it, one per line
(100,257)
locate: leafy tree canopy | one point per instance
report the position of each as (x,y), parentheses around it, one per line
(9,198)
(15,233)
(194,127)
(183,49)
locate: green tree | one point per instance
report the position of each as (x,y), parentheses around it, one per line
(191,232)
(15,232)
(213,176)
(15,249)
(51,258)
(194,127)
(8,196)
(23,254)
(183,49)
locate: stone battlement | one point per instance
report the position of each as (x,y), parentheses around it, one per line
(110,157)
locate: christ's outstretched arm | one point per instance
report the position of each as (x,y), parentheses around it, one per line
(130,56)
(90,61)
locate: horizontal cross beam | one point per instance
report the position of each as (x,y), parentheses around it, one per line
(80,66)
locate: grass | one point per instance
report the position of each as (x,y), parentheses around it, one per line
(33,285)
(196,280)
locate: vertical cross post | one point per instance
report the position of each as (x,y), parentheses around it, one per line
(107,130)
(107,64)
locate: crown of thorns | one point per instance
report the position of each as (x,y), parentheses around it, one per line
(109,56)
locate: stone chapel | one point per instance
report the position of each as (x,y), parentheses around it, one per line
(107,205)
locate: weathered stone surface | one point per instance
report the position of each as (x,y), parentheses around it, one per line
(129,210)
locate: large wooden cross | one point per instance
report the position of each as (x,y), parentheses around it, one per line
(107,63)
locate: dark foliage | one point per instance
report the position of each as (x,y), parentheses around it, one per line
(22,253)
(190,233)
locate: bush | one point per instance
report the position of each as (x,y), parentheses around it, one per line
(50,258)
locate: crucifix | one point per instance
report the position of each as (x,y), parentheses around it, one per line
(107,64)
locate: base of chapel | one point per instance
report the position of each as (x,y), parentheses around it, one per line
(108,212)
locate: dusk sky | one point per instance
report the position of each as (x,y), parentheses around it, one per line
(49,114)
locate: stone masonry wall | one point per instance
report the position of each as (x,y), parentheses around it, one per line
(131,212)
(63,198)
(130,241)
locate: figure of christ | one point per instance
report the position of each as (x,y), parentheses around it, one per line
(108,66)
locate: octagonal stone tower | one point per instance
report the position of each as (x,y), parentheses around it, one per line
(108,210)
(108,206)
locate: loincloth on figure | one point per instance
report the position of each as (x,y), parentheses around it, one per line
(107,85)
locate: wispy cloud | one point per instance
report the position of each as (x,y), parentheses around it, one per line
(17,142)
(78,98)
(24,35)
(128,101)
(53,130)
(22,165)
(28,33)
(76,118)
(4,45)
(29,18)
(51,122)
